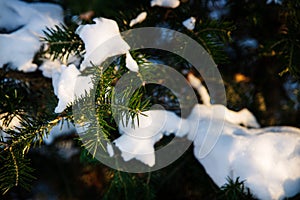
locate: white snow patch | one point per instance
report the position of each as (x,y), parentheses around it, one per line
(24,23)
(165,3)
(49,68)
(139,19)
(110,150)
(189,23)
(131,64)
(138,141)
(62,128)
(243,117)
(101,40)
(14,123)
(65,86)
(268,159)
(275,1)
(264,158)
(196,83)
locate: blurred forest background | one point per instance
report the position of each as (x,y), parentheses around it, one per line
(260,69)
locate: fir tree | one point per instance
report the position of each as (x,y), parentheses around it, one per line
(62,41)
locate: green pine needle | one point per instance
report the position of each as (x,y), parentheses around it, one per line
(62,41)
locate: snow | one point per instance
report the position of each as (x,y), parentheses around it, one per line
(268,159)
(189,23)
(7,11)
(23,24)
(138,142)
(131,64)
(243,117)
(30,19)
(49,68)
(139,19)
(165,3)
(62,128)
(15,54)
(103,40)
(110,150)
(275,1)
(196,83)
(65,86)
(14,123)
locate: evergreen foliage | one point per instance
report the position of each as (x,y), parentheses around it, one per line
(62,41)
(17,169)
(213,35)
(235,190)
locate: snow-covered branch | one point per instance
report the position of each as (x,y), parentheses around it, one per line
(267,158)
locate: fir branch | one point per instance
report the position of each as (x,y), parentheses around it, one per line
(62,41)
(235,190)
(32,131)
(98,126)
(287,46)
(213,36)
(16,166)
(14,170)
